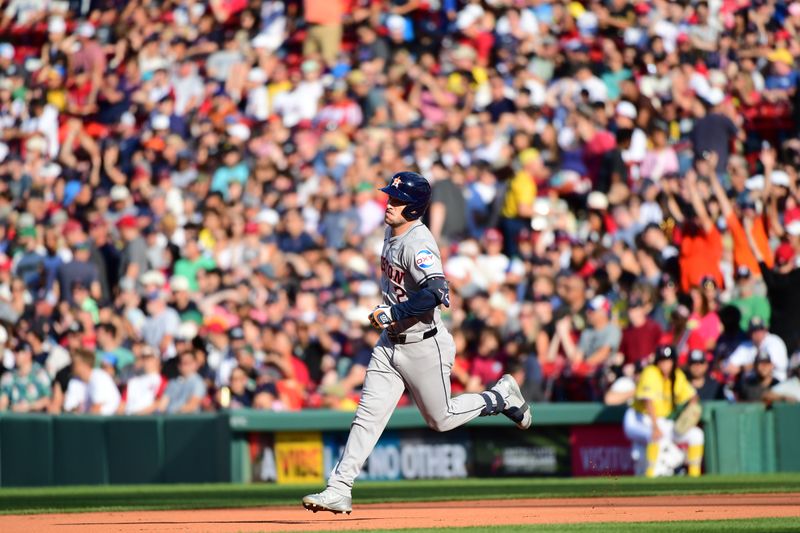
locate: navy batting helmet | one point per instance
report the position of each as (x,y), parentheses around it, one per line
(413,190)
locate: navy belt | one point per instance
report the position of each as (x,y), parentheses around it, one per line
(402,338)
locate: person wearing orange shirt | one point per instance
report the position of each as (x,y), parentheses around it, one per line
(701,245)
(324,18)
(742,255)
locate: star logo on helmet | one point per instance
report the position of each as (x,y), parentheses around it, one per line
(396,182)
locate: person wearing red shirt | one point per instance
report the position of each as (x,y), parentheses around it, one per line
(641,338)
(470,23)
(597,142)
(81,94)
(487,365)
(224,9)
(296,381)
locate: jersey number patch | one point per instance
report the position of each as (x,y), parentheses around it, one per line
(424,259)
(399,293)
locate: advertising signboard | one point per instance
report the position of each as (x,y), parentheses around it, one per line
(600,450)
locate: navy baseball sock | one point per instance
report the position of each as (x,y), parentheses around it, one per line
(494,403)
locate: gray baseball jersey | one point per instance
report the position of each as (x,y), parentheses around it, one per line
(407,262)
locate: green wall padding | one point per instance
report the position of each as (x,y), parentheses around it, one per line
(197,448)
(787,436)
(135,450)
(79,448)
(26,451)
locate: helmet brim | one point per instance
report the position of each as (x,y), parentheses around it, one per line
(394,192)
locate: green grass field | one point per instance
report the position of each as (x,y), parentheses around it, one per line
(759,525)
(141,497)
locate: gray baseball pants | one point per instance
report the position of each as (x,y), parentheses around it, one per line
(424,368)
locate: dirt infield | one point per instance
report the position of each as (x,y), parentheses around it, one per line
(407,515)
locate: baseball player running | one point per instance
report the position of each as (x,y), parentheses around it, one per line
(415,350)
(661,390)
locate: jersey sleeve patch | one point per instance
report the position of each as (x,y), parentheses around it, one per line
(424,259)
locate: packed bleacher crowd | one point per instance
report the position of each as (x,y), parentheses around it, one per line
(191,220)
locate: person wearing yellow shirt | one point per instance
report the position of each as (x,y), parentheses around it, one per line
(518,201)
(662,388)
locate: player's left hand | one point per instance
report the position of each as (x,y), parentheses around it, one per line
(381,317)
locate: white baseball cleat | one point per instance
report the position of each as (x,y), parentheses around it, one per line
(517,409)
(328,500)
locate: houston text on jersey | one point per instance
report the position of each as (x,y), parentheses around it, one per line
(394,274)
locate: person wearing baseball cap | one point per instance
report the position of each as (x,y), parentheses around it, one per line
(161,324)
(599,341)
(707,387)
(761,341)
(789,390)
(623,383)
(662,390)
(133,260)
(80,269)
(779,84)
(752,386)
(746,300)
(625,114)
(517,207)
(182,300)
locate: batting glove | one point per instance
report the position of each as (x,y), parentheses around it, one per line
(381,317)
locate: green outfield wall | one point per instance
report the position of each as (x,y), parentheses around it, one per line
(37,450)
(300,447)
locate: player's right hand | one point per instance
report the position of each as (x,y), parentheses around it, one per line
(381,317)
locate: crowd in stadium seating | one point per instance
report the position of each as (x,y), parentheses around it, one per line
(191,221)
